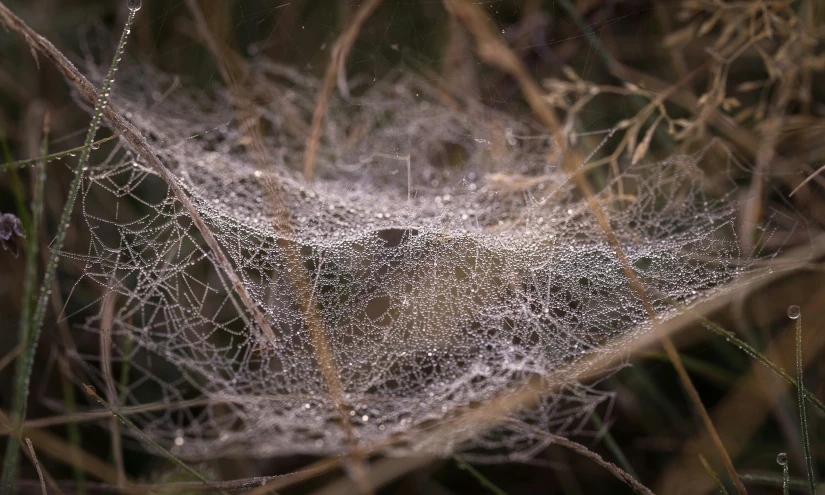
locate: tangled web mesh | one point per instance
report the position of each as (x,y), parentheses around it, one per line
(450,262)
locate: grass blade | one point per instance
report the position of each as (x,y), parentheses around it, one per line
(37,466)
(793,312)
(11,165)
(486,483)
(30,333)
(165,453)
(614,447)
(782,460)
(713,475)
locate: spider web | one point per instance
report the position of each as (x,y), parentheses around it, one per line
(450,260)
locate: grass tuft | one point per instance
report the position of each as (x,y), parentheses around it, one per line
(30,329)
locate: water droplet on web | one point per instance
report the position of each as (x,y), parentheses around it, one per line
(782,459)
(134,5)
(793,312)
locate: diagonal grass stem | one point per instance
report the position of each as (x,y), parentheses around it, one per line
(32,333)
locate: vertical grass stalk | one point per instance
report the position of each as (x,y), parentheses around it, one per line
(31,332)
(793,312)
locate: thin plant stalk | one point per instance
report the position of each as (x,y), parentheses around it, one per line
(16,186)
(33,244)
(165,453)
(786,482)
(612,445)
(713,475)
(803,420)
(10,165)
(125,367)
(486,483)
(37,466)
(32,333)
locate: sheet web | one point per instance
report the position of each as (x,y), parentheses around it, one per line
(450,261)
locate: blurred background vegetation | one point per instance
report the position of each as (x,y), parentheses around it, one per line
(746,74)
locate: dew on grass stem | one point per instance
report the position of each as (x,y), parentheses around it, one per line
(793,312)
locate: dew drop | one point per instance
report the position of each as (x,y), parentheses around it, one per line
(134,5)
(782,459)
(793,312)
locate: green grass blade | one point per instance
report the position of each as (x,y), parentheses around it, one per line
(733,339)
(612,445)
(30,270)
(486,483)
(713,475)
(793,312)
(11,165)
(124,367)
(165,453)
(16,186)
(26,361)
(782,459)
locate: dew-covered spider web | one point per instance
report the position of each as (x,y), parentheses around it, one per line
(449,258)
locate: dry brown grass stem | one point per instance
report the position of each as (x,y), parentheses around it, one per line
(315,469)
(36,466)
(105,413)
(381,473)
(106,320)
(276,482)
(233,71)
(492,50)
(57,448)
(585,452)
(142,148)
(807,179)
(667,343)
(338,58)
